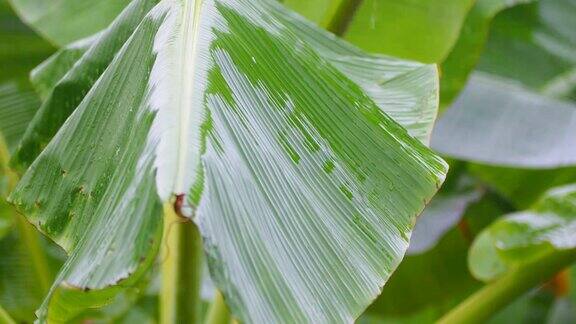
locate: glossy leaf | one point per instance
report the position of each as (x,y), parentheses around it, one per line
(406,91)
(275,132)
(65,21)
(491,116)
(521,237)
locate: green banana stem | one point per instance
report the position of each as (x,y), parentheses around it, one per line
(181,268)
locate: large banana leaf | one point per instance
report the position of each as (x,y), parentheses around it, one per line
(277,134)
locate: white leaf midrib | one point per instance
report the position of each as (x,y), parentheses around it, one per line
(188,56)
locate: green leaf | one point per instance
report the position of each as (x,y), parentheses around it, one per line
(407,91)
(422,30)
(45,76)
(18,104)
(522,187)
(466,53)
(332,15)
(20,51)
(65,21)
(272,128)
(541,35)
(521,237)
(498,123)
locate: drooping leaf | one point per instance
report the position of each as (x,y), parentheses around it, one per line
(521,237)
(274,130)
(498,123)
(65,21)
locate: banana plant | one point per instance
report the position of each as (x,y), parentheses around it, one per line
(232,131)
(177,146)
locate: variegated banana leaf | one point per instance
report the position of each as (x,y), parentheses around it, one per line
(301,158)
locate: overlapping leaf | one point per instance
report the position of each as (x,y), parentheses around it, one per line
(22,286)
(275,131)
